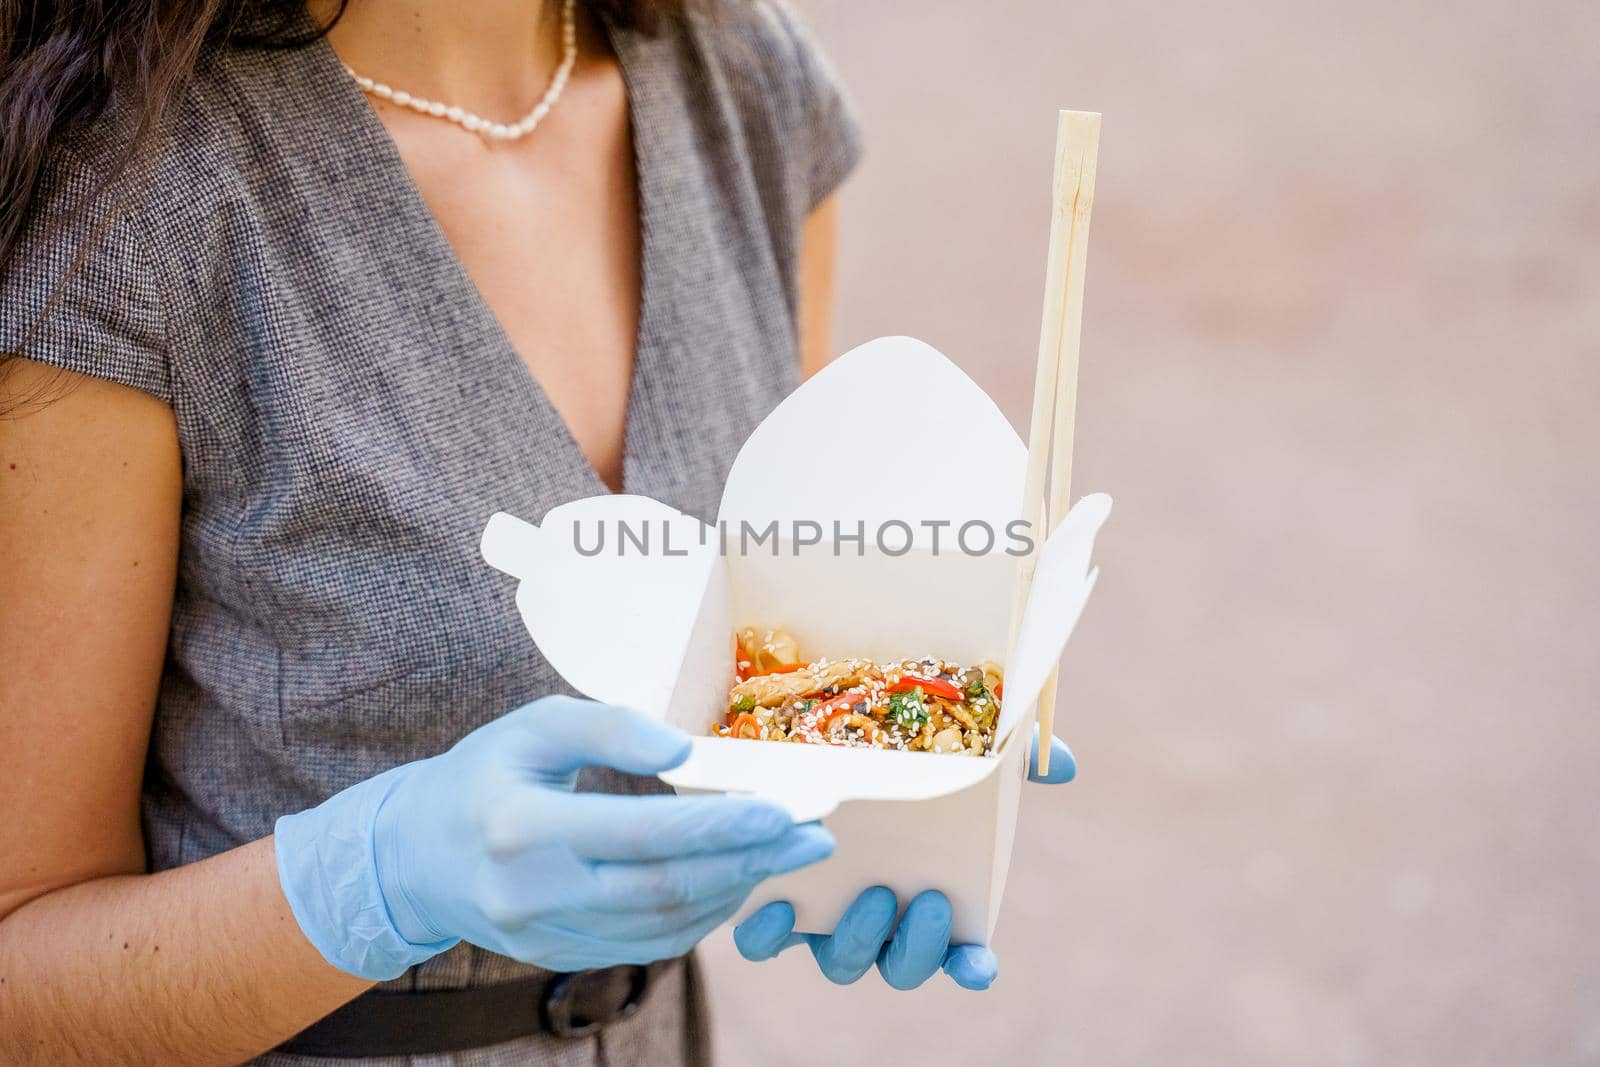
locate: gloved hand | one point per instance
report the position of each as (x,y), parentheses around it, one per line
(487,843)
(907,954)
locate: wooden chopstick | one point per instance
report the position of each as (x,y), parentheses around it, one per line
(1055,383)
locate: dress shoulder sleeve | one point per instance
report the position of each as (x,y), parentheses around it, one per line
(820,137)
(80,292)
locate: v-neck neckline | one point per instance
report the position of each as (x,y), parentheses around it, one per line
(506,358)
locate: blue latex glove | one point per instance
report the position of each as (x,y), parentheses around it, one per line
(907,954)
(488,843)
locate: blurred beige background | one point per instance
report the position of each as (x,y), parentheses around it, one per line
(1337,702)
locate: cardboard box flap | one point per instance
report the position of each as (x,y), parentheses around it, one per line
(1062,583)
(611,615)
(891,430)
(508,545)
(810,782)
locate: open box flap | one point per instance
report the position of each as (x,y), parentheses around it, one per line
(891,430)
(1062,583)
(810,781)
(613,619)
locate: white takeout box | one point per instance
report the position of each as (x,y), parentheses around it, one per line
(891,440)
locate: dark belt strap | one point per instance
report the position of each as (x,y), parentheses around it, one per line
(385,1022)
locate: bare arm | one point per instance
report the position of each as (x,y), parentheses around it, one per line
(819,246)
(99,961)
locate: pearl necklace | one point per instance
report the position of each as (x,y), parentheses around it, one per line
(476,123)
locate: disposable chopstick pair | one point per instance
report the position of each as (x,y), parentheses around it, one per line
(1055,383)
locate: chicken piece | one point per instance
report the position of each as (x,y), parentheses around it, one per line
(768,689)
(958,713)
(845,673)
(781,646)
(869,730)
(761,651)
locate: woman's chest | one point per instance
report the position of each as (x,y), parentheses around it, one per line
(547,230)
(355,404)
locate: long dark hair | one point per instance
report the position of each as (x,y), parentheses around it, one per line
(61,63)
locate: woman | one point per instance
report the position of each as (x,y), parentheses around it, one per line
(295,299)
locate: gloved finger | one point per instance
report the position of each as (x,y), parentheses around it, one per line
(593,948)
(972,966)
(560,735)
(675,943)
(686,939)
(853,947)
(636,886)
(651,923)
(920,942)
(767,932)
(1063,767)
(600,826)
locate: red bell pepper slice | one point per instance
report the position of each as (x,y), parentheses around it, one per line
(833,705)
(936,686)
(842,708)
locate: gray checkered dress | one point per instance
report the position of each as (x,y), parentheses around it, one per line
(350,413)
